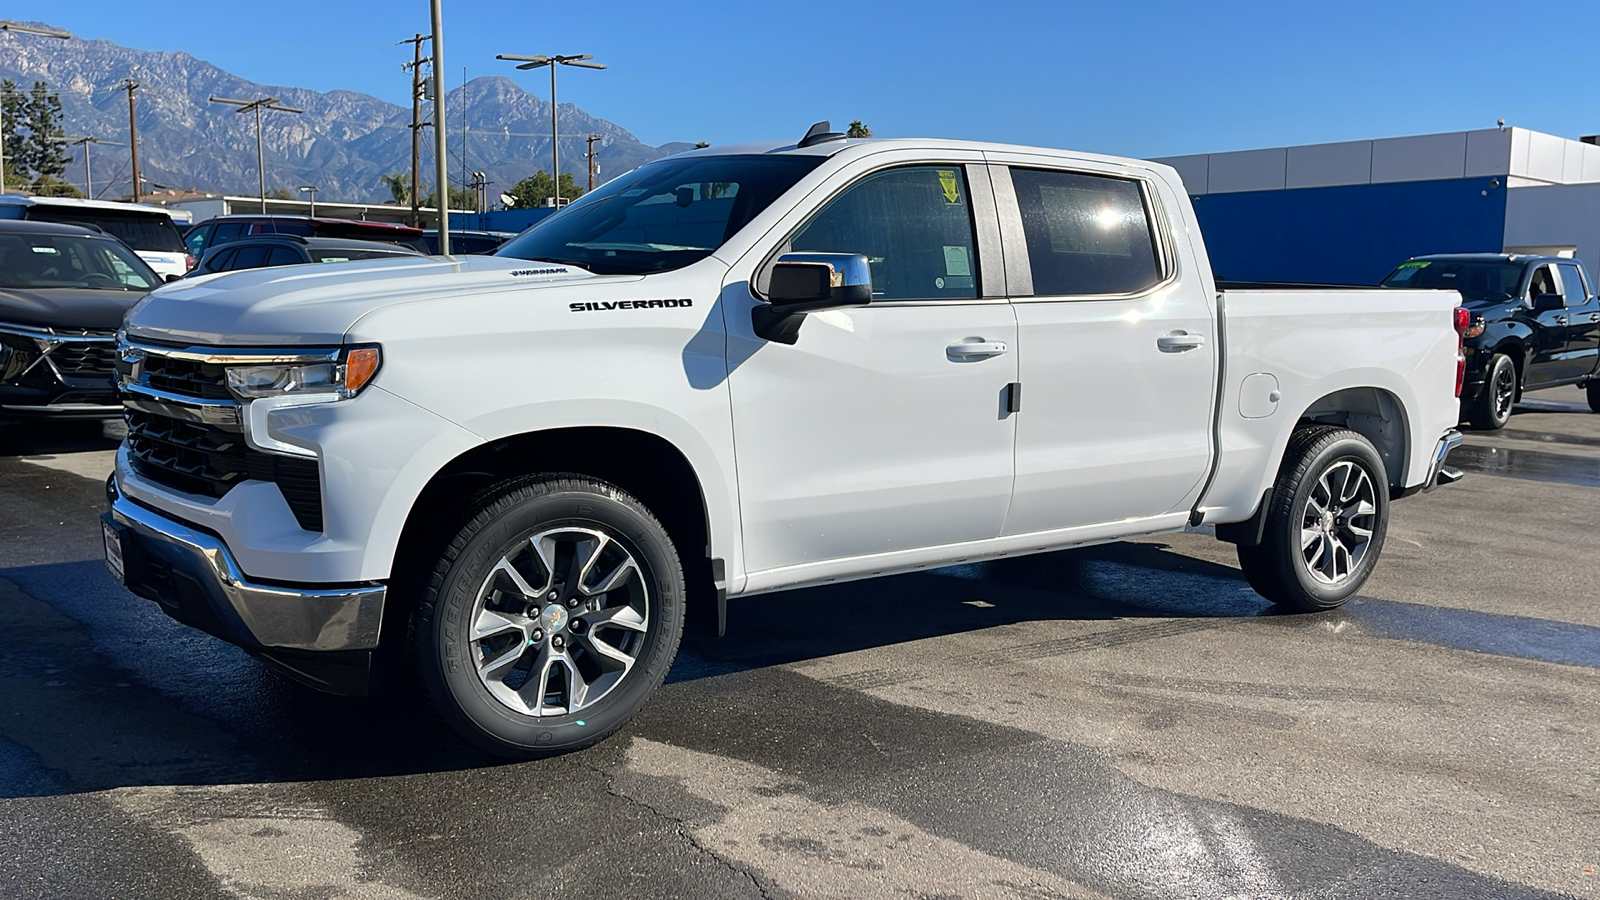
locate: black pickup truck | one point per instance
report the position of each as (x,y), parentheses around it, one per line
(1535,325)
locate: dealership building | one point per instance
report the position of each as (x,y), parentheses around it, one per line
(1347,213)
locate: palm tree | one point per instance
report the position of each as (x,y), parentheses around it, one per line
(399,184)
(858,130)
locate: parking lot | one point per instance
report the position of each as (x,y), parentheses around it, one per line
(1122,721)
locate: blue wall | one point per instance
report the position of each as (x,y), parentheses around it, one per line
(512,219)
(1353,234)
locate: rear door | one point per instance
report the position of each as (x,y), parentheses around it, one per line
(1117,346)
(1582,351)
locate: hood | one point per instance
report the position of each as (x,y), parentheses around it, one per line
(315,304)
(66,307)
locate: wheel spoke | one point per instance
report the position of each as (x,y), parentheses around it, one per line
(494,668)
(1316,558)
(504,567)
(491,624)
(1309,536)
(620,616)
(611,582)
(580,570)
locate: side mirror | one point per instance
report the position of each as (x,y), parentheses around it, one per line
(171,278)
(810,282)
(1547,302)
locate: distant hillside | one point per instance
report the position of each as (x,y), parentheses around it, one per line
(342,143)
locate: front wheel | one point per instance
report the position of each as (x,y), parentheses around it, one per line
(1327,516)
(550,618)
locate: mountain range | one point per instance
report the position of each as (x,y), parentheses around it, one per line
(343,143)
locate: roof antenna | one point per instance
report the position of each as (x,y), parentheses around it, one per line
(820,133)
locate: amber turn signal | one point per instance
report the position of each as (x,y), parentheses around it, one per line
(360,364)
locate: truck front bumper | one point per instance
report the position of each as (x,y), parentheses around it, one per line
(322,636)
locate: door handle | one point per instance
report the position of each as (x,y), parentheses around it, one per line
(1594,317)
(1561,320)
(1179,341)
(974,348)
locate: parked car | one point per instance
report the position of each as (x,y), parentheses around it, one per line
(149,230)
(222,229)
(1535,325)
(265,250)
(467,243)
(63,292)
(736,371)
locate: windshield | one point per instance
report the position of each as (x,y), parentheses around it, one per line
(71,261)
(1486,279)
(141,231)
(662,216)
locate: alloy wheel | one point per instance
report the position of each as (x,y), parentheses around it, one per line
(1336,524)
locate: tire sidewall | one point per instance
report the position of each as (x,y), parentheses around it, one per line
(1316,593)
(448,652)
(1490,413)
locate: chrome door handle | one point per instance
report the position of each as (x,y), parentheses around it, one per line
(974,348)
(1594,317)
(1561,320)
(1179,341)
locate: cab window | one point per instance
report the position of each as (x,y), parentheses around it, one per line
(1572,287)
(1086,234)
(913,224)
(195,241)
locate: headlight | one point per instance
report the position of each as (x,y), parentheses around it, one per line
(346,378)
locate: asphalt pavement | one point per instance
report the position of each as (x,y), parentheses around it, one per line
(1126,721)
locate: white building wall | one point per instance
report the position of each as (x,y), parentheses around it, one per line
(1556,215)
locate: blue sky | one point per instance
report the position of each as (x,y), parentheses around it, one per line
(1126,77)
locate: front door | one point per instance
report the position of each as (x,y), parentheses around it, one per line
(877,431)
(1118,348)
(1549,331)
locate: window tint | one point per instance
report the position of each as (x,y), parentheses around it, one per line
(195,241)
(914,225)
(252,257)
(1542,282)
(1087,234)
(219,260)
(141,231)
(289,226)
(227,231)
(283,256)
(1476,280)
(1572,286)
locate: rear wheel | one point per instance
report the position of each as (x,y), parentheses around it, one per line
(550,618)
(1593,390)
(1327,516)
(1492,409)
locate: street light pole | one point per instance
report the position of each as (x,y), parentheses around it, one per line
(257,106)
(20,29)
(441,163)
(310,190)
(535,62)
(88,175)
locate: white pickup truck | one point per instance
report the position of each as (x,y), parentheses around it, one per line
(735,371)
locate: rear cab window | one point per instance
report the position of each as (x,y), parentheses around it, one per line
(1087,235)
(153,232)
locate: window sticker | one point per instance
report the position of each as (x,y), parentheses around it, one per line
(1414,265)
(947,180)
(956,261)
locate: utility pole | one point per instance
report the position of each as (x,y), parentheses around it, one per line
(589,155)
(416,124)
(129,85)
(88,174)
(20,29)
(441,160)
(257,106)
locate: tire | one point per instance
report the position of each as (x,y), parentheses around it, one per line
(1592,389)
(1492,408)
(574,587)
(1319,472)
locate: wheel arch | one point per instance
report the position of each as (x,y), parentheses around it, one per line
(646,465)
(1375,413)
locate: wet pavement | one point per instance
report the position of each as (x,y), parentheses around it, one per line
(1126,721)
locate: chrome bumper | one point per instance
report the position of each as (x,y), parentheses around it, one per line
(1439,473)
(194,577)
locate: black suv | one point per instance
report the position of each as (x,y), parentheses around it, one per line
(212,232)
(1535,325)
(266,250)
(63,293)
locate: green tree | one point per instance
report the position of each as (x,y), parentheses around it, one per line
(701,145)
(536,189)
(43,152)
(45,186)
(280,193)
(13,111)
(399,185)
(858,130)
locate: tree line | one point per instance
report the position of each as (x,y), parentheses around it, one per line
(35,145)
